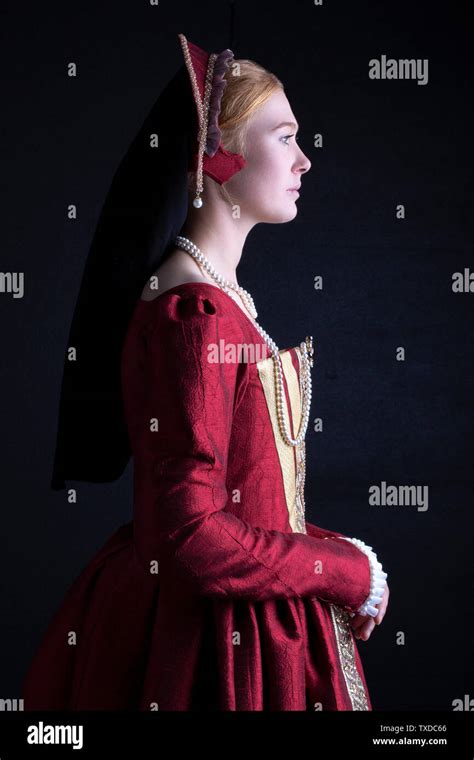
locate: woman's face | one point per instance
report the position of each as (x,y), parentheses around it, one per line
(275,163)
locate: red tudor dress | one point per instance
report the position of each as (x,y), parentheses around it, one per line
(211,599)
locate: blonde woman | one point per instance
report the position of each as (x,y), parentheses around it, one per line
(219,595)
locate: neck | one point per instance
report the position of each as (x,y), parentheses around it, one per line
(219,237)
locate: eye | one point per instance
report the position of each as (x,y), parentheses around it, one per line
(287,137)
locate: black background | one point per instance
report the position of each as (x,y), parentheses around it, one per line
(387,283)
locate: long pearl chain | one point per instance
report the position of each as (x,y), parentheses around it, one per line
(306,347)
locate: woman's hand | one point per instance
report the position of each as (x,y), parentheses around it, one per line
(363,625)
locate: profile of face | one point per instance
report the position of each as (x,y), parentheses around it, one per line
(264,188)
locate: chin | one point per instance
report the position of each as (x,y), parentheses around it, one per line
(289,214)
(282,215)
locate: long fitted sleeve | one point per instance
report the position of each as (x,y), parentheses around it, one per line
(192,400)
(316,532)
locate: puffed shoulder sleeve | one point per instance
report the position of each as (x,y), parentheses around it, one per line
(193,399)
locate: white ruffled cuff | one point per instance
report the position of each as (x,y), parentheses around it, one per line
(377,579)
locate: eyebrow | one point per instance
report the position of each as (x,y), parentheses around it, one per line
(286,124)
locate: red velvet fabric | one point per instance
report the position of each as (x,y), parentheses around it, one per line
(237,618)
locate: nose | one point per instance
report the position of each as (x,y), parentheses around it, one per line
(303,163)
(306,165)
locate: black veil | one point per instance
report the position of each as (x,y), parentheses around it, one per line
(145,208)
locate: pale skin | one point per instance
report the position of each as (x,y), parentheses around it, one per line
(275,163)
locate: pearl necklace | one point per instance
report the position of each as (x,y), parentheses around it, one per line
(186,245)
(306,347)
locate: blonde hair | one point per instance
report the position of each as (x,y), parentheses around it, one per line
(248,87)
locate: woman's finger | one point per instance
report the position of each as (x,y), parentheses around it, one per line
(358,620)
(366,629)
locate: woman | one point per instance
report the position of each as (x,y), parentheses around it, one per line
(219,595)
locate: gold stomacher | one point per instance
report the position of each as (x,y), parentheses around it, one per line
(294,475)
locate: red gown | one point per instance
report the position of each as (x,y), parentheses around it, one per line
(218,595)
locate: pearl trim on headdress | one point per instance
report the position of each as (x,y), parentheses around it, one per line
(208,107)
